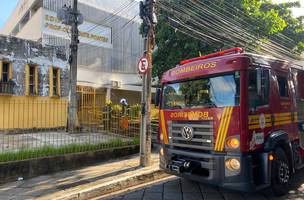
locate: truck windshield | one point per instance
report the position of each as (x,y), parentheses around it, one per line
(216,91)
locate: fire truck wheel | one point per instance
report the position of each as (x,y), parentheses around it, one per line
(280,172)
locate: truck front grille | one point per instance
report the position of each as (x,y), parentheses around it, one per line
(203,138)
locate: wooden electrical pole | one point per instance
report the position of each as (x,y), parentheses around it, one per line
(149,21)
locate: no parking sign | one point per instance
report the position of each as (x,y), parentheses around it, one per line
(143,65)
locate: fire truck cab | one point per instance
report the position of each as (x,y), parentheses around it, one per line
(234,120)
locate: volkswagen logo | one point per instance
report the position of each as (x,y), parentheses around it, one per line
(187,133)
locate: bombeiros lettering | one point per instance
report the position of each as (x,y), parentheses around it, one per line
(191,115)
(194,68)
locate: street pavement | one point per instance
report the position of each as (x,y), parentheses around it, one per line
(182,189)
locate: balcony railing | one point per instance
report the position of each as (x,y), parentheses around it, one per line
(7,87)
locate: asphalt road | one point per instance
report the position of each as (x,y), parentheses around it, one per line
(181,189)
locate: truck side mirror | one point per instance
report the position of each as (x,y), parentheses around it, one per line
(157,97)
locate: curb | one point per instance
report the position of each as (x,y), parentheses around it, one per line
(114,186)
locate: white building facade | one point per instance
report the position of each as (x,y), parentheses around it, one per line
(110,42)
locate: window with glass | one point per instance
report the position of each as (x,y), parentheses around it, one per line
(258,87)
(298,81)
(32,80)
(55,81)
(216,91)
(5,72)
(283,86)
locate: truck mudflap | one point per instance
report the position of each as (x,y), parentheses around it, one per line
(210,169)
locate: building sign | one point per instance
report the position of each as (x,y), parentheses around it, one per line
(89,33)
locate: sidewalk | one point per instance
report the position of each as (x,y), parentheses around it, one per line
(84,183)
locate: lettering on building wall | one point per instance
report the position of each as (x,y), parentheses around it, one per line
(64,28)
(193,68)
(98,36)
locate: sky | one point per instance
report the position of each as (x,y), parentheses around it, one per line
(7,6)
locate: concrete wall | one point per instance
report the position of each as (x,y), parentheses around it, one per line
(21,111)
(21,52)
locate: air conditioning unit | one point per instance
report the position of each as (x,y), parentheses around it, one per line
(116,84)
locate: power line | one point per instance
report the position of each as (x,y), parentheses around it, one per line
(114,14)
(218,25)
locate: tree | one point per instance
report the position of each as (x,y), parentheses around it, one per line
(188,28)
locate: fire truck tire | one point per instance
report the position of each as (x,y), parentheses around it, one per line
(281,172)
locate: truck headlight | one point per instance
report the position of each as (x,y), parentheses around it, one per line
(233,164)
(233,143)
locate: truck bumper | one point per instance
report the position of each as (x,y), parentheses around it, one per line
(254,173)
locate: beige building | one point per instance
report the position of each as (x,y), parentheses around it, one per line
(110,43)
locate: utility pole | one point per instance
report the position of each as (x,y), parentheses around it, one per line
(147,14)
(72,17)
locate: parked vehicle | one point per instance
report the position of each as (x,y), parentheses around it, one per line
(233,119)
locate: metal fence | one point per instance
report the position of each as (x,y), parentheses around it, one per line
(34,127)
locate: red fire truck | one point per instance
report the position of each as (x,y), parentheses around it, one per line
(234,120)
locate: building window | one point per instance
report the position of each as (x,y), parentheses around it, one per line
(6,76)
(31,78)
(54,74)
(5,68)
(55,81)
(6,71)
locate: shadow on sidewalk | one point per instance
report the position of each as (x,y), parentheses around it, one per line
(90,180)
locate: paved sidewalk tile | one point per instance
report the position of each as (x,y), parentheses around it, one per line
(233,196)
(190,186)
(213,196)
(56,185)
(152,195)
(208,189)
(135,195)
(173,186)
(192,196)
(177,195)
(155,189)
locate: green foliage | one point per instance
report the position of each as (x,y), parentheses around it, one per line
(261,18)
(269,20)
(66,149)
(174,46)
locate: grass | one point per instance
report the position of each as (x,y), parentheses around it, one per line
(46,151)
